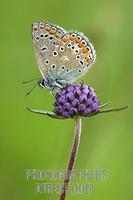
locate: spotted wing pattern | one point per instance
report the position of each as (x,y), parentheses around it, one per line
(44,36)
(61,55)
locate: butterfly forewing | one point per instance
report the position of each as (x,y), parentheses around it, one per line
(44,36)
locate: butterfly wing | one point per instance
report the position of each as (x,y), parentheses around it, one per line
(44,36)
(61,55)
(72,57)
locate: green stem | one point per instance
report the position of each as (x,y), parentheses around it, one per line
(72,157)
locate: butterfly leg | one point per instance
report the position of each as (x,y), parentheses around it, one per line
(58,91)
(52,91)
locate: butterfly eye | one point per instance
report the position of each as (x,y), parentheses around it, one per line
(53,66)
(62,48)
(55,53)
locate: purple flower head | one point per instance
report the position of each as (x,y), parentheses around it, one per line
(76,99)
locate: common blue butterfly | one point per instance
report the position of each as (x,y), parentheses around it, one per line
(62,56)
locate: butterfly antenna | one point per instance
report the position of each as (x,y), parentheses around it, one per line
(30,80)
(31,89)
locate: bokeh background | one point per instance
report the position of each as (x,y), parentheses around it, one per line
(29,141)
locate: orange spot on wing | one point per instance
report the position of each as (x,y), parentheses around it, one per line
(85,51)
(58,34)
(59,42)
(66,39)
(72,38)
(88,60)
(53,30)
(77,40)
(81,45)
(48,28)
(42,26)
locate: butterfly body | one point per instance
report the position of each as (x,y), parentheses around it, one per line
(62,56)
(51,83)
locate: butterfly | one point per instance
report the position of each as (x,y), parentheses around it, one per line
(62,56)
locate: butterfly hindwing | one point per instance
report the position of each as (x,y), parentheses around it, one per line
(74,55)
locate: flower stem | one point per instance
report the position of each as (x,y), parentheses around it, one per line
(72,157)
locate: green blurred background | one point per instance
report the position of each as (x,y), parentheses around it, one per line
(30,141)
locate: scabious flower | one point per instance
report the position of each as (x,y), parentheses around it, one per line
(76,99)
